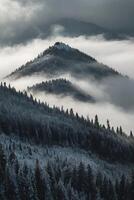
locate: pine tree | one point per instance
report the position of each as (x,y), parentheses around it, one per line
(81,177)
(111,191)
(122,188)
(71,112)
(50,172)
(23,186)
(10,189)
(117,188)
(3,163)
(131,134)
(40,188)
(91,187)
(99,180)
(104,189)
(131,187)
(60,191)
(121,131)
(96,122)
(74,179)
(108,125)
(117,130)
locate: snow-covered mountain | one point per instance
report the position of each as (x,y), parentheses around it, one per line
(61,59)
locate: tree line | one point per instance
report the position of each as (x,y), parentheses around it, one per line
(27,118)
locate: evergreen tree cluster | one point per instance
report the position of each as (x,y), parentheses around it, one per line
(61,87)
(27,118)
(58,181)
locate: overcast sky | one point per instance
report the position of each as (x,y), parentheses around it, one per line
(23,25)
(23,20)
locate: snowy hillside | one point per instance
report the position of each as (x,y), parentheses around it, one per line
(48,153)
(37,121)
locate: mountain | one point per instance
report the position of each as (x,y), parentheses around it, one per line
(62,59)
(71,27)
(48,153)
(75,28)
(63,88)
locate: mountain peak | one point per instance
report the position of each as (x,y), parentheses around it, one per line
(64,51)
(62,46)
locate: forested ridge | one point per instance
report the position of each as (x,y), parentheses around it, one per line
(62,87)
(28,119)
(57,180)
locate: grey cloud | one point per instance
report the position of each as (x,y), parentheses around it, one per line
(120,92)
(31,19)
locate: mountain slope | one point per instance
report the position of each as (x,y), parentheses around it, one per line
(48,153)
(63,88)
(33,172)
(38,122)
(62,59)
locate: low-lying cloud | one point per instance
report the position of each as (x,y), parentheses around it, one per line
(104,110)
(115,96)
(114,99)
(116,54)
(120,92)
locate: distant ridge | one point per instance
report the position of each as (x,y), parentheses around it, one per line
(63,88)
